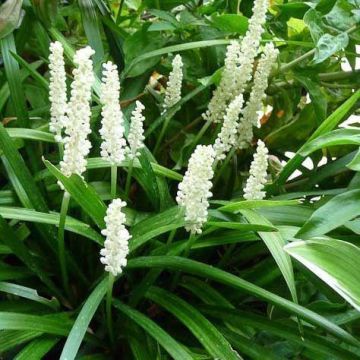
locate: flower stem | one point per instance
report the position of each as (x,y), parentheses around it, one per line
(113,181)
(111,280)
(162,134)
(200,135)
(61,240)
(223,166)
(128,178)
(61,150)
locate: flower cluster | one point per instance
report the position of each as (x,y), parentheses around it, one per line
(194,190)
(238,64)
(77,146)
(255,183)
(173,86)
(253,106)
(225,90)
(112,130)
(116,245)
(136,132)
(228,135)
(57,92)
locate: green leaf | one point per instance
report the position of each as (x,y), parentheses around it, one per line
(328,45)
(92,29)
(284,330)
(30,134)
(333,138)
(71,224)
(10,16)
(12,71)
(336,212)
(354,164)
(161,336)
(26,184)
(335,262)
(82,322)
(13,338)
(147,179)
(27,293)
(171,49)
(327,125)
(232,23)
(50,324)
(155,225)
(212,340)
(100,163)
(313,20)
(82,193)
(37,349)
(241,226)
(210,272)
(9,238)
(317,96)
(275,243)
(234,207)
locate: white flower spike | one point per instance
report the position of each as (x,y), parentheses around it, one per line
(77,145)
(228,134)
(112,130)
(116,245)
(238,64)
(173,86)
(136,133)
(225,90)
(57,90)
(250,113)
(194,191)
(255,183)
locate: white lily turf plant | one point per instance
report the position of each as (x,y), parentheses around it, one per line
(187,229)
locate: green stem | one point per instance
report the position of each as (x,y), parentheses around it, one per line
(200,135)
(128,178)
(113,181)
(61,240)
(223,166)
(61,150)
(162,134)
(111,280)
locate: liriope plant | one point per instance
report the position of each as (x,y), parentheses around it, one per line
(130,228)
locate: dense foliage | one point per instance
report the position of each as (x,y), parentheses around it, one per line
(275,279)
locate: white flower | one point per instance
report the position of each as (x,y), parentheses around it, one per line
(112,130)
(136,132)
(77,146)
(173,86)
(57,90)
(224,92)
(238,64)
(255,183)
(116,245)
(228,134)
(250,113)
(194,190)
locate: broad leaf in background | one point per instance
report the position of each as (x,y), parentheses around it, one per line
(10,16)
(335,262)
(334,213)
(275,243)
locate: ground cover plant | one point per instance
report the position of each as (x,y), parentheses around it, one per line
(179,179)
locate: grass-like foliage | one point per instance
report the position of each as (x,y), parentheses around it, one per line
(198,197)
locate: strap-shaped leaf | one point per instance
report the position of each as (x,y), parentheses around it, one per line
(336,262)
(207,334)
